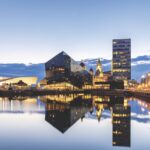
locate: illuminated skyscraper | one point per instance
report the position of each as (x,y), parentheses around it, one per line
(121,62)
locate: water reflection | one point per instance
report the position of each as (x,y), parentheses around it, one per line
(21,105)
(121,124)
(64,111)
(62,116)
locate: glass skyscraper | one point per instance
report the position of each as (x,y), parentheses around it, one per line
(121,62)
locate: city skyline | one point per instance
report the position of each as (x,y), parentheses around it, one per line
(34,31)
(74,74)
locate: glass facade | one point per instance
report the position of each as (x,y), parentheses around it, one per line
(62,68)
(121,64)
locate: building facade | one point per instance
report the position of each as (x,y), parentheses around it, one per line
(64,71)
(100,79)
(18,82)
(145,82)
(121,61)
(146,79)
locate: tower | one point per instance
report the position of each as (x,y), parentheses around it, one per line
(99,70)
(121,61)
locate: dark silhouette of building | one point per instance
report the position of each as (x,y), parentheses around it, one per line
(121,62)
(62,68)
(116,84)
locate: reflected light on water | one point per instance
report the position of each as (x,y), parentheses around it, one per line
(74,122)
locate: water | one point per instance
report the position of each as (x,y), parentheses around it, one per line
(74,122)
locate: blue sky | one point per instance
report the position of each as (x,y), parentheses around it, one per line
(35,30)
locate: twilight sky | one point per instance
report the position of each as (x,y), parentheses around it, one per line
(36,30)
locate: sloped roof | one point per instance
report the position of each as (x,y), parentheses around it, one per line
(21,83)
(59,60)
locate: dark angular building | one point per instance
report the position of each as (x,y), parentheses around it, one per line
(121,61)
(62,68)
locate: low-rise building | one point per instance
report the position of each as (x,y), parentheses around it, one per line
(17,82)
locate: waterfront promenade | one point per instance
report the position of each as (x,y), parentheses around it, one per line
(40,92)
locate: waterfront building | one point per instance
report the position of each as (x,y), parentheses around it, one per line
(99,76)
(145,82)
(62,72)
(133,84)
(100,79)
(143,79)
(108,75)
(18,82)
(121,61)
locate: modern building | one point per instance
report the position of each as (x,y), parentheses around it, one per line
(145,82)
(121,61)
(18,82)
(64,72)
(146,79)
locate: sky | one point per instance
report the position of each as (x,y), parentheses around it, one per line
(33,31)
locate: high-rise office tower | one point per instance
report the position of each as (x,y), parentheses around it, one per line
(121,62)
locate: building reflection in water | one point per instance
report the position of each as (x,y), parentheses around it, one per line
(100,104)
(121,112)
(63,115)
(121,123)
(62,111)
(21,105)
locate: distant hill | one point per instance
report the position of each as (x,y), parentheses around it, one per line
(140,66)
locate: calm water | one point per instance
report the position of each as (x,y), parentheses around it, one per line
(74,122)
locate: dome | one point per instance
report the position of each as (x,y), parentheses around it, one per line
(82,64)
